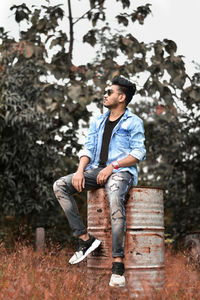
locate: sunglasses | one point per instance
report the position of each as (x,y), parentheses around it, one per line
(109,92)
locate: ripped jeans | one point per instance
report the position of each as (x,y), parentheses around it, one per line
(117,186)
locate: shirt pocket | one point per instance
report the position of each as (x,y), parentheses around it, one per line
(122,138)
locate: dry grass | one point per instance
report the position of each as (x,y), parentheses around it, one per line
(182,279)
(26,275)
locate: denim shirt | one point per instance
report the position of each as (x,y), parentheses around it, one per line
(127,138)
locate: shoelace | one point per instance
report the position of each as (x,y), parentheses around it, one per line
(82,245)
(118,268)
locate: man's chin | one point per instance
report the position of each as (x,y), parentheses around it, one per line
(105,105)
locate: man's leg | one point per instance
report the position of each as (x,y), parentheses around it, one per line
(117,188)
(64,190)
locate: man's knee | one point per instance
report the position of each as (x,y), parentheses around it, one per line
(58,184)
(63,185)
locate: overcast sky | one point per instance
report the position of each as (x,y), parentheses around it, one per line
(173,19)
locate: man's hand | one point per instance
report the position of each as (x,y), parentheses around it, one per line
(104,174)
(78,181)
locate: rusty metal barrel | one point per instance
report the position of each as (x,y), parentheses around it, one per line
(144,247)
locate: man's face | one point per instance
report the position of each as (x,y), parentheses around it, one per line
(112,97)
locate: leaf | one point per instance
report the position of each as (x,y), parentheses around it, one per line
(129,45)
(173,109)
(28,51)
(195,94)
(115,73)
(92,3)
(89,74)
(179,81)
(125,3)
(139,65)
(141,13)
(42,24)
(155,69)
(22,12)
(153,86)
(170,46)
(122,19)
(40,109)
(158,48)
(167,95)
(141,92)
(171,69)
(95,19)
(54,42)
(20,15)
(160,109)
(53,106)
(90,37)
(126,41)
(74,91)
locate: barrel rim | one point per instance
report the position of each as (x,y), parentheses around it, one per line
(139,267)
(136,228)
(149,187)
(134,187)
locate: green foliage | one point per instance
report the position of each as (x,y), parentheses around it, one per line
(26,159)
(172,142)
(137,15)
(32,112)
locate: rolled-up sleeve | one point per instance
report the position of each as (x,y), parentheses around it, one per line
(90,144)
(137,139)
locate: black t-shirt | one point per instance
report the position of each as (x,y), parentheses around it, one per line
(109,126)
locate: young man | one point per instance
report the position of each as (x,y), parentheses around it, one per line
(114,146)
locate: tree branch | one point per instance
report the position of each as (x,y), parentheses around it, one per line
(82,17)
(71,33)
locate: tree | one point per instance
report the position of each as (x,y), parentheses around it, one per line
(30,154)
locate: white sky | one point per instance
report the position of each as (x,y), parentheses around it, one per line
(172,19)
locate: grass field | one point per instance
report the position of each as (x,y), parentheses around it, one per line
(27,275)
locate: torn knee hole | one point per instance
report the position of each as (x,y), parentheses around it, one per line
(118,177)
(60,183)
(114,187)
(117,214)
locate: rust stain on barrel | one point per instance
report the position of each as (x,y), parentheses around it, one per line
(144,248)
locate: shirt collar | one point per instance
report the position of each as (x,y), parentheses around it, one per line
(125,116)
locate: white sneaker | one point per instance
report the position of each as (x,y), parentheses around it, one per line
(85,248)
(117,280)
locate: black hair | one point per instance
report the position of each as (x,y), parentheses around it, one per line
(125,86)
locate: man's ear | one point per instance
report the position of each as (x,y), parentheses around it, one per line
(122,98)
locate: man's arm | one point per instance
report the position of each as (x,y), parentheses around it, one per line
(90,144)
(78,180)
(86,155)
(127,161)
(106,172)
(137,139)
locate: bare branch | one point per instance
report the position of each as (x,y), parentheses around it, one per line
(71,33)
(83,16)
